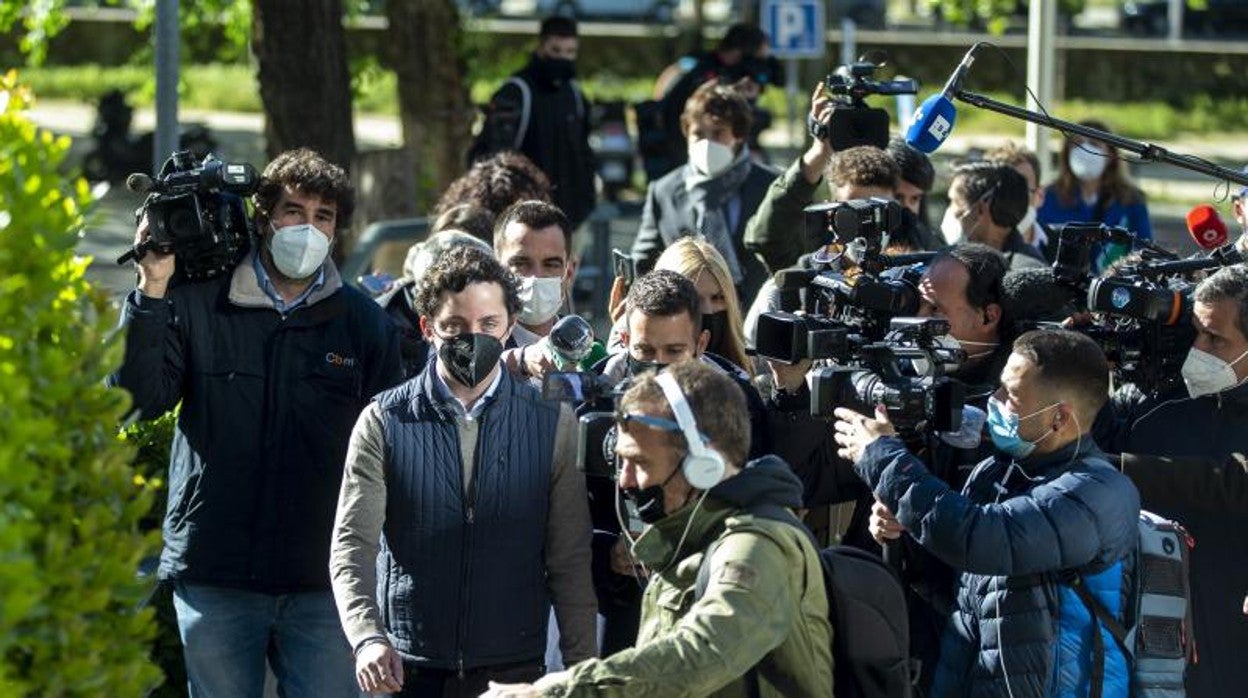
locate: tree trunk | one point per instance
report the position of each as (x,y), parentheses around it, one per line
(305,85)
(435,108)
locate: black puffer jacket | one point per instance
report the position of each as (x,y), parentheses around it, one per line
(1214,427)
(268,404)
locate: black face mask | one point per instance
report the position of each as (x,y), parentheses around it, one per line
(649,501)
(555,71)
(469,358)
(636,367)
(651,508)
(717,324)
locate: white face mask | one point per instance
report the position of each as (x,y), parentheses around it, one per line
(1206,374)
(298,250)
(1087,162)
(710,158)
(1029,219)
(541,297)
(951,227)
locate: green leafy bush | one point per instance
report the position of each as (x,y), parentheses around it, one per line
(151,441)
(72,619)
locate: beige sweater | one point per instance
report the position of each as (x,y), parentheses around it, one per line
(361,515)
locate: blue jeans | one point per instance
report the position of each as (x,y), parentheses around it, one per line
(227,634)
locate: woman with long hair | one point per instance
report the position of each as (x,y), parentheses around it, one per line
(699,261)
(1093,186)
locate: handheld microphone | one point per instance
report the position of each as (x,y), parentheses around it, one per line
(140,183)
(571,339)
(1206,227)
(933,120)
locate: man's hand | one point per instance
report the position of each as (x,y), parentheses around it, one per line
(379,669)
(883,525)
(155,269)
(816,158)
(854,432)
(789,377)
(523,690)
(537,361)
(512,690)
(616,302)
(622,562)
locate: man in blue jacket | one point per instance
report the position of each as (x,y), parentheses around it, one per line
(272,364)
(1046,509)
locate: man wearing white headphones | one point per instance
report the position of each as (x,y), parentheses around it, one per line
(751,621)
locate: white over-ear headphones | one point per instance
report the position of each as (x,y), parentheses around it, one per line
(702,467)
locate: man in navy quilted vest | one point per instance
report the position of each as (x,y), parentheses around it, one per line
(462,516)
(1045,513)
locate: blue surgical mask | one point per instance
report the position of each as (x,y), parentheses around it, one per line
(1003,428)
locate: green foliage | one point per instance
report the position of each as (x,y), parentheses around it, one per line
(151,440)
(72,621)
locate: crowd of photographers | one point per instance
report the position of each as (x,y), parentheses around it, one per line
(457,490)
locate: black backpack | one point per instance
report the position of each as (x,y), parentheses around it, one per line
(867,611)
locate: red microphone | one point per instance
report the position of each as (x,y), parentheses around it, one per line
(1206,227)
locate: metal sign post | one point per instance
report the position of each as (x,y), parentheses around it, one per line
(795,30)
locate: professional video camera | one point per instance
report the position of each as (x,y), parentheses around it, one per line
(843,310)
(595,428)
(196,211)
(853,122)
(1143,305)
(905,373)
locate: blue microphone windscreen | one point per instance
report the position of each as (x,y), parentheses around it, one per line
(932,123)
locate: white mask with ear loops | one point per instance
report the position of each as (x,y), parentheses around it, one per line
(298,250)
(1087,162)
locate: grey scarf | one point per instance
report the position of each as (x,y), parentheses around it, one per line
(709,197)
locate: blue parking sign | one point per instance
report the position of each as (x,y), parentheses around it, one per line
(794,27)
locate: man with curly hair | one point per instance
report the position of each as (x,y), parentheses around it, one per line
(461,490)
(271,364)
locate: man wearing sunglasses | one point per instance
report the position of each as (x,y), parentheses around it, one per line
(736,603)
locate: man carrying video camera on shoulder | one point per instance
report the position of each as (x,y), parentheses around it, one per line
(272,363)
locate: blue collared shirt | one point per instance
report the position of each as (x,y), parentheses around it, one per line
(279,303)
(478,406)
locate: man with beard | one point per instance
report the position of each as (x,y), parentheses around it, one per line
(461,489)
(272,364)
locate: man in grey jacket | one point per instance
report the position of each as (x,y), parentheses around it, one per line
(462,495)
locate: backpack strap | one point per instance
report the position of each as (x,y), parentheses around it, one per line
(1105,618)
(580,100)
(526,108)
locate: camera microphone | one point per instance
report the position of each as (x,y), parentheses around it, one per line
(933,120)
(1206,227)
(140,183)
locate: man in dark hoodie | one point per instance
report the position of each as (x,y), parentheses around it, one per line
(736,603)
(541,112)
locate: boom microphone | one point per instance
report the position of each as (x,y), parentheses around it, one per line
(933,120)
(1206,227)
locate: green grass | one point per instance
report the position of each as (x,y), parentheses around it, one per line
(233,88)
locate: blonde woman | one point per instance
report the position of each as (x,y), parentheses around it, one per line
(699,261)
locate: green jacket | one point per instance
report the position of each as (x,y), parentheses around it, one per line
(765,606)
(777,232)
